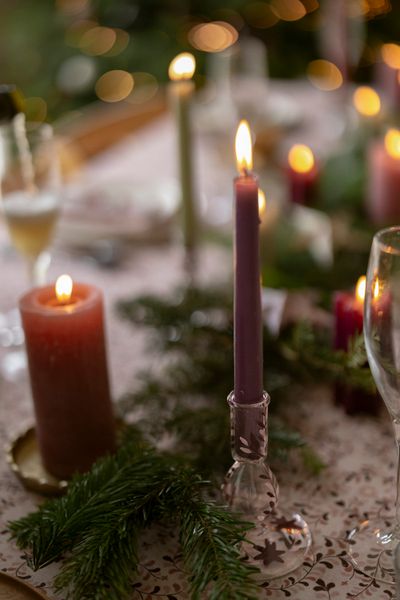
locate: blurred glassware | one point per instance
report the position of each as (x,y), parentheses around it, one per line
(30,199)
(373,542)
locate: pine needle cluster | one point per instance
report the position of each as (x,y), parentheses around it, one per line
(95,528)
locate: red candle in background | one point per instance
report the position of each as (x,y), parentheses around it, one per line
(383,185)
(349,315)
(247,296)
(302,175)
(349,319)
(67,361)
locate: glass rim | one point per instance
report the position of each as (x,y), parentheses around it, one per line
(387,246)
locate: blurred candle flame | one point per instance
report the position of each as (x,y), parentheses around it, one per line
(360,288)
(367,101)
(392,143)
(182,67)
(376,291)
(391,55)
(244,155)
(262,202)
(64,286)
(301,158)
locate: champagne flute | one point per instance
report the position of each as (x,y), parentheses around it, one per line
(29,187)
(29,202)
(373,543)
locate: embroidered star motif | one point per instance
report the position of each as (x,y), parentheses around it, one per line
(269,553)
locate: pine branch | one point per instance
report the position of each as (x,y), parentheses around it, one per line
(99,520)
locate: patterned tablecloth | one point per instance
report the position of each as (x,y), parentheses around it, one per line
(359,452)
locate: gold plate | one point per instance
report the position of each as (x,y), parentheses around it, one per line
(15,589)
(24,458)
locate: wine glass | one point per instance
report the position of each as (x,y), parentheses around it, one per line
(29,182)
(372,544)
(29,202)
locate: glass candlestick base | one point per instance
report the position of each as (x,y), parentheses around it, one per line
(279,541)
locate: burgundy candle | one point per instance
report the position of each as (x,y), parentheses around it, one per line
(349,315)
(247,296)
(69,378)
(302,175)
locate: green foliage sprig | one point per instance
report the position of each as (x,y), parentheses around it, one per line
(97,525)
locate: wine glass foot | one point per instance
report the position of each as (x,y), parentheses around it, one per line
(278,544)
(372,547)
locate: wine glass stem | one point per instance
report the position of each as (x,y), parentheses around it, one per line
(396,426)
(37,269)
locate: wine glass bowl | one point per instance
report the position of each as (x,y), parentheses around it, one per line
(29,189)
(372,544)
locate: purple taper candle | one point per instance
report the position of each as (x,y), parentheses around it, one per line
(248,346)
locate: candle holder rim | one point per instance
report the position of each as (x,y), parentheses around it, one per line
(266,399)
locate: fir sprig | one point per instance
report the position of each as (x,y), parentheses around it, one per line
(97,524)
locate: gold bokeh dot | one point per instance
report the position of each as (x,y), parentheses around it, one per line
(114,86)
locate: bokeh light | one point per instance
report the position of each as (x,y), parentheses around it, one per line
(324,75)
(35,109)
(114,86)
(391,55)
(76,74)
(367,101)
(212,37)
(182,66)
(288,10)
(145,88)
(121,42)
(98,40)
(392,143)
(301,158)
(262,202)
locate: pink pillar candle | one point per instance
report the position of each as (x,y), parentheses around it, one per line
(383,185)
(248,341)
(67,361)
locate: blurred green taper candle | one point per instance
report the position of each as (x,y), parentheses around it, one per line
(181,91)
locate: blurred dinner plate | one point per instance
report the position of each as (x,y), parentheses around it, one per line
(118,210)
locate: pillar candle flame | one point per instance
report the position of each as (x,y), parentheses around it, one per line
(244,157)
(182,67)
(64,286)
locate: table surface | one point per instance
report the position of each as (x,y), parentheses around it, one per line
(359,452)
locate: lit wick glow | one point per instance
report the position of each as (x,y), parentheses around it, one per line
(377,289)
(64,287)
(301,158)
(182,67)
(244,155)
(392,143)
(262,202)
(367,101)
(360,288)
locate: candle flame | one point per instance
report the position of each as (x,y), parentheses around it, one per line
(392,143)
(301,158)
(360,288)
(182,67)
(367,101)
(64,286)
(262,202)
(377,289)
(244,155)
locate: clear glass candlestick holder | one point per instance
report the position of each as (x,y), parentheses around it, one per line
(279,541)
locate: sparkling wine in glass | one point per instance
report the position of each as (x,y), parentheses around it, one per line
(30,191)
(372,544)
